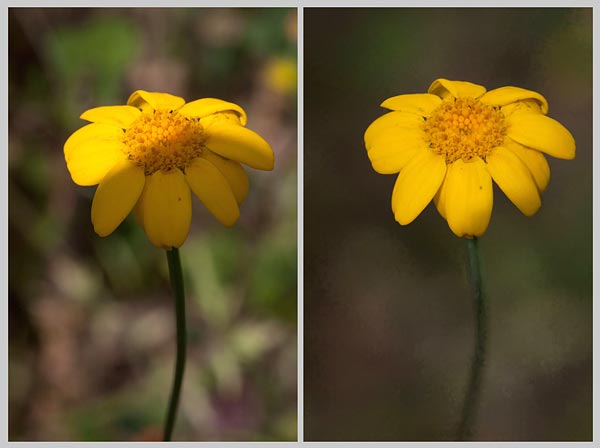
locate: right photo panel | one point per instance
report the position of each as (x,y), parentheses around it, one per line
(448,224)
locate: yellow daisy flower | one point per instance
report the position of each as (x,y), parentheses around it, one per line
(448,145)
(149,154)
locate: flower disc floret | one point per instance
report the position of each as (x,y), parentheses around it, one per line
(464,129)
(163,140)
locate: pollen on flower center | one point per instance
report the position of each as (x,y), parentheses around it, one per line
(465,128)
(163,140)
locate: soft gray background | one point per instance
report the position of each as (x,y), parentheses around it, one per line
(389,321)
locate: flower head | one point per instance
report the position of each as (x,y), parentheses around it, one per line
(448,145)
(148,155)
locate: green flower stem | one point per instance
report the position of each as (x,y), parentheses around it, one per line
(465,428)
(176,277)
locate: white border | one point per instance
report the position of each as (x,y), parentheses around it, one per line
(300,4)
(4,227)
(307,3)
(300,172)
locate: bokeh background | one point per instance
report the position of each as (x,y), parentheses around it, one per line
(388,313)
(91,320)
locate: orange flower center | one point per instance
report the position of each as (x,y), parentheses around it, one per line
(163,140)
(465,128)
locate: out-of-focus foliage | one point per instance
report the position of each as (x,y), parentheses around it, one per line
(91,343)
(388,312)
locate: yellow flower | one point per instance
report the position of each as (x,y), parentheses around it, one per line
(149,154)
(281,75)
(448,145)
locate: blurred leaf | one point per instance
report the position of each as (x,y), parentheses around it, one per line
(216,306)
(126,258)
(227,249)
(251,340)
(123,413)
(101,49)
(265,34)
(90,61)
(273,280)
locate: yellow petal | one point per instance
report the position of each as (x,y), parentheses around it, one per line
(416,103)
(89,161)
(392,121)
(530,105)
(534,160)
(507,95)
(416,185)
(92,132)
(467,197)
(446,89)
(211,187)
(121,116)
(223,118)
(240,144)
(207,106)
(391,151)
(514,179)
(167,208)
(234,173)
(116,195)
(542,133)
(149,101)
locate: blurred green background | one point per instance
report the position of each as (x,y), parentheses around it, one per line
(388,314)
(91,334)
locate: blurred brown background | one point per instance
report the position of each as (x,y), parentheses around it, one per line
(91,320)
(388,314)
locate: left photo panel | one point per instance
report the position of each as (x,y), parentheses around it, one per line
(152,182)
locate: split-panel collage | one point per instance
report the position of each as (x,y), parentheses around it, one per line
(233,225)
